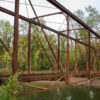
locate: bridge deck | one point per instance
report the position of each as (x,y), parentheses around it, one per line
(48,76)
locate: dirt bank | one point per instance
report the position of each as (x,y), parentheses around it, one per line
(93,83)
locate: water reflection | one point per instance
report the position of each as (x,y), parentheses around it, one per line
(68,97)
(58,91)
(91,95)
(65,93)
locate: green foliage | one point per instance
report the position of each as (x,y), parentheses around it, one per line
(80,14)
(22,52)
(39,60)
(93,18)
(35,59)
(9,90)
(63,51)
(6,32)
(72,59)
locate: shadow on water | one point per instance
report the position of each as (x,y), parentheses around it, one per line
(65,93)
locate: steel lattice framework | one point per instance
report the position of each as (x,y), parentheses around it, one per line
(63,11)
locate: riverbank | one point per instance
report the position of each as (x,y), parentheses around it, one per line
(92,83)
(73,82)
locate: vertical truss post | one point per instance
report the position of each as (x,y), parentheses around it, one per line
(58,52)
(16,34)
(67,60)
(29,49)
(45,36)
(89,58)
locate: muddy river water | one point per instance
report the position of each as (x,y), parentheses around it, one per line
(65,93)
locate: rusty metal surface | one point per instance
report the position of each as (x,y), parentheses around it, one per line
(73,29)
(44,26)
(45,51)
(38,77)
(48,76)
(51,76)
(47,15)
(16,35)
(67,12)
(59,67)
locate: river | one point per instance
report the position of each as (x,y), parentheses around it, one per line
(65,93)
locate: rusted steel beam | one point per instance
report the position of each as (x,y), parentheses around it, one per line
(51,88)
(44,26)
(67,12)
(13,14)
(38,77)
(45,51)
(89,60)
(67,60)
(47,15)
(16,34)
(29,49)
(45,36)
(73,29)
(4,46)
(86,38)
(61,34)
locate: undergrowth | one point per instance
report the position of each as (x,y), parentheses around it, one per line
(9,90)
